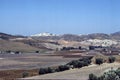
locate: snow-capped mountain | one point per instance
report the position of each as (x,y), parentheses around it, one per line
(44,34)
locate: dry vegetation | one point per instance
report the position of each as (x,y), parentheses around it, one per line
(105,58)
(29,61)
(79,74)
(16,46)
(13,74)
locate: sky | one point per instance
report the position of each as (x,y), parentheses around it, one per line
(27,17)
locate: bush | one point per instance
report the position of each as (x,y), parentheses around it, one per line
(66,67)
(92,77)
(80,63)
(118,72)
(91,47)
(50,70)
(25,74)
(111,59)
(99,61)
(46,70)
(36,51)
(63,67)
(73,64)
(42,71)
(86,60)
(110,75)
(57,70)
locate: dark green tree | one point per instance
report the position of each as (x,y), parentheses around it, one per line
(111,59)
(92,77)
(99,61)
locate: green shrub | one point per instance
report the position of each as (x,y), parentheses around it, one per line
(57,70)
(111,59)
(81,62)
(50,70)
(99,61)
(63,67)
(118,72)
(92,77)
(42,71)
(25,74)
(73,64)
(110,75)
(36,51)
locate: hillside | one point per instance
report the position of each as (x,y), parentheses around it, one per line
(77,74)
(9,36)
(24,44)
(50,41)
(15,46)
(73,37)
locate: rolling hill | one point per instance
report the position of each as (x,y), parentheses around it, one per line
(16,46)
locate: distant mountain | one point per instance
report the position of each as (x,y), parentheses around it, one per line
(50,41)
(43,34)
(5,36)
(115,35)
(73,37)
(68,37)
(19,43)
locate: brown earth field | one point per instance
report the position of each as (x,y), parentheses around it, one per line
(6,45)
(31,61)
(14,74)
(12,66)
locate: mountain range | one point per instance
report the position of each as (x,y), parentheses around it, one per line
(68,37)
(48,41)
(73,37)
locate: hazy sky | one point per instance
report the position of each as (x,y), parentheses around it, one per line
(28,17)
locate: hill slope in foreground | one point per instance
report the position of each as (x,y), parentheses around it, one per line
(77,74)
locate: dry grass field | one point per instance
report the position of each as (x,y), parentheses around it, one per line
(16,46)
(77,74)
(12,66)
(14,74)
(30,61)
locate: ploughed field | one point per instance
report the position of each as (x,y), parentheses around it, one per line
(30,61)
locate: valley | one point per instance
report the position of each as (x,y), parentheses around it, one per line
(29,54)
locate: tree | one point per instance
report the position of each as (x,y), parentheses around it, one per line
(25,74)
(42,71)
(110,75)
(64,67)
(99,61)
(92,77)
(111,59)
(91,47)
(50,70)
(80,47)
(36,51)
(118,72)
